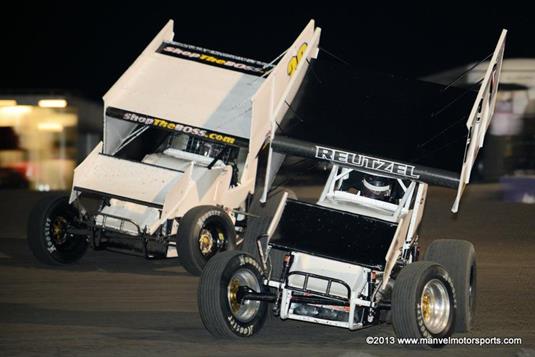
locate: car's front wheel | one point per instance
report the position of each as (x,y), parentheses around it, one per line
(423,304)
(222,312)
(203,232)
(48,236)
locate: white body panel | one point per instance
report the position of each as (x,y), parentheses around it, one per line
(124,178)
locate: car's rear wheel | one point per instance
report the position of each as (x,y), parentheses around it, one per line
(220,308)
(459,259)
(423,302)
(48,237)
(203,232)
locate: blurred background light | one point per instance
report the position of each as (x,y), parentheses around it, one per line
(15,109)
(7,102)
(52,103)
(50,126)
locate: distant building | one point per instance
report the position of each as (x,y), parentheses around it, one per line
(43,137)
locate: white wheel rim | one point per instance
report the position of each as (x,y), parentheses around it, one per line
(246,311)
(435,306)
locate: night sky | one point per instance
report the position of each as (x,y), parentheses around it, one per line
(84,48)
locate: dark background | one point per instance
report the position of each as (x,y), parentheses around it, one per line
(84,47)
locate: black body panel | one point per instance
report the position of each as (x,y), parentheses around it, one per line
(333,234)
(375,114)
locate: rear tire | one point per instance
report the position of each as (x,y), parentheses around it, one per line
(423,302)
(47,238)
(459,259)
(203,232)
(221,314)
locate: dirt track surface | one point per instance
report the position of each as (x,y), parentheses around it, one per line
(118,305)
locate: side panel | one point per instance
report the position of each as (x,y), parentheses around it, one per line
(480,116)
(418,211)
(261,123)
(113,135)
(276,94)
(289,73)
(395,247)
(270,102)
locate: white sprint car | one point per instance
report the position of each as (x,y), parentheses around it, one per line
(351,258)
(183,130)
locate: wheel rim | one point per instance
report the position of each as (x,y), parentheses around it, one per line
(246,311)
(59,219)
(206,242)
(58,230)
(211,239)
(435,306)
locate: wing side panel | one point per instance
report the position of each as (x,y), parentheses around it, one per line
(480,117)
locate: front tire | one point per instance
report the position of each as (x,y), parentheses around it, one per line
(47,236)
(423,302)
(221,313)
(203,232)
(459,259)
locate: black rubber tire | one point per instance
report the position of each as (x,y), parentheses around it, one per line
(214,308)
(189,229)
(407,319)
(459,259)
(39,235)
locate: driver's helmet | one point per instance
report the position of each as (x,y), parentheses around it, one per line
(376,187)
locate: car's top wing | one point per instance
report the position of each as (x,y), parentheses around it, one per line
(390,125)
(184,85)
(184,88)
